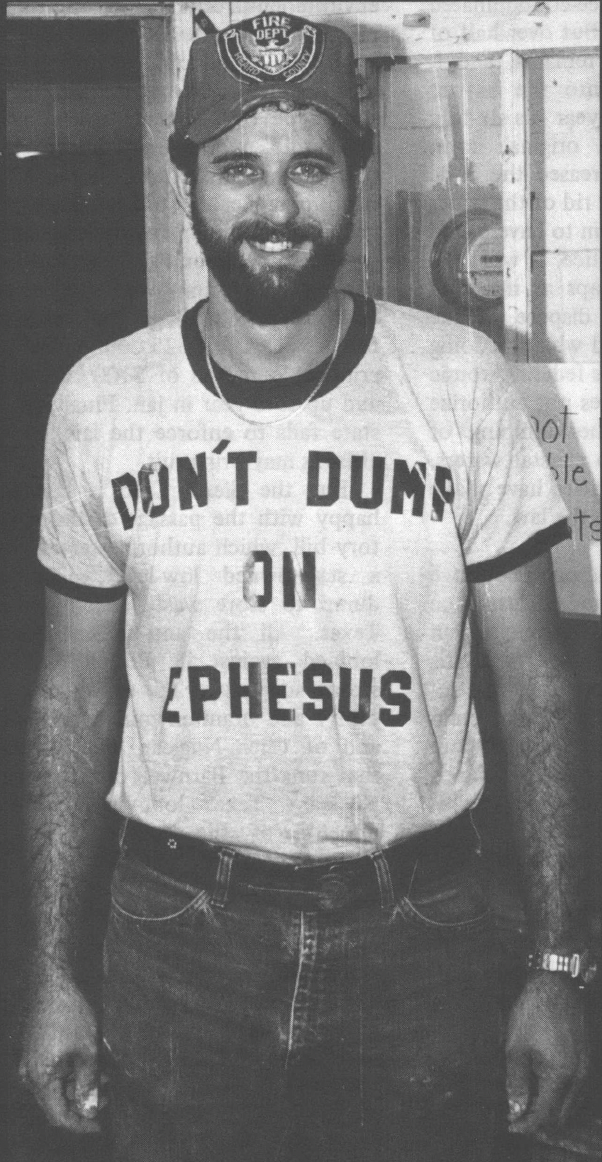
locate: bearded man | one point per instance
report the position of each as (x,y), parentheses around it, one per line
(297,495)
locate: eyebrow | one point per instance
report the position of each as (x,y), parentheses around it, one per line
(304,155)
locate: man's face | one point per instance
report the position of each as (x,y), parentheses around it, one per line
(272,208)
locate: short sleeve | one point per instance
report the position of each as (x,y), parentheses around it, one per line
(74,548)
(515,510)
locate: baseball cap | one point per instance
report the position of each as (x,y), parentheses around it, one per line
(270,57)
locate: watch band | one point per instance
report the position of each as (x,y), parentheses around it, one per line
(577,965)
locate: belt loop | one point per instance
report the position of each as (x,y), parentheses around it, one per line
(479,844)
(122,831)
(383,875)
(222,877)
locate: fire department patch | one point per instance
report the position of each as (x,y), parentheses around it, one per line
(272,47)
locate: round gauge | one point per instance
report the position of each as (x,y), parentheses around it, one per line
(482,265)
(467,259)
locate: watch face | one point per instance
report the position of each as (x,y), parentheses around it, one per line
(467,259)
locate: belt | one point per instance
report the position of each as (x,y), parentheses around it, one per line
(314,886)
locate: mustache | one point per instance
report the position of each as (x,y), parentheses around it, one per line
(261,231)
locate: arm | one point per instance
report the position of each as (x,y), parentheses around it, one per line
(519,625)
(74,736)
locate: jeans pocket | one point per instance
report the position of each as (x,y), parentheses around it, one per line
(139,893)
(454,902)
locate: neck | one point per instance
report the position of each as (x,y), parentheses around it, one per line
(254,351)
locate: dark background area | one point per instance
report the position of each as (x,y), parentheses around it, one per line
(75,280)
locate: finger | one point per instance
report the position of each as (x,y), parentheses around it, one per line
(543,1107)
(86,1087)
(103,1086)
(60,1112)
(518,1076)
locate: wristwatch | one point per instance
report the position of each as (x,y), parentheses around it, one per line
(580,966)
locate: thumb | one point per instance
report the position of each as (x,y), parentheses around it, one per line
(517,1083)
(86,1085)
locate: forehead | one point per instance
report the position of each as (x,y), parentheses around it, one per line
(270,132)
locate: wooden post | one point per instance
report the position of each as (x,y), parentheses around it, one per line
(162,213)
(369,201)
(184,31)
(516,210)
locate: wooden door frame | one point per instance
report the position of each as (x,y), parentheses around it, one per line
(165,220)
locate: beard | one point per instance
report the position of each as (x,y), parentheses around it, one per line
(283,292)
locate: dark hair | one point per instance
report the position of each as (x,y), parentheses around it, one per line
(358,151)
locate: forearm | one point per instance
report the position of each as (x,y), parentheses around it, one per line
(72,751)
(548,803)
(546,1050)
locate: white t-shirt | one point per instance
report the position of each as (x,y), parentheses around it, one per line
(297,635)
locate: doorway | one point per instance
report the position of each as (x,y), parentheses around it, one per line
(76,280)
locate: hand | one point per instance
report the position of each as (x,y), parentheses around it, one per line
(546,1053)
(60,1057)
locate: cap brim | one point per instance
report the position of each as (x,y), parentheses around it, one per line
(226,115)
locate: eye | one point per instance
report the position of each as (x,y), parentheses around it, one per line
(238,171)
(309,171)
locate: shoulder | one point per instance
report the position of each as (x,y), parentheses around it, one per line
(119,376)
(443,360)
(430,337)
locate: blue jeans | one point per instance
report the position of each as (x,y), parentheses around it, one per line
(252,1033)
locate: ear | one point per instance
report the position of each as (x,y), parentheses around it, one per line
(181,186)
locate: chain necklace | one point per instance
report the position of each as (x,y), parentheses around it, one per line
(289,415)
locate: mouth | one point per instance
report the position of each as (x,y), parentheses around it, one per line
(276,248)
(272,247)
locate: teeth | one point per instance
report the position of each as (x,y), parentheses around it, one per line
(274,247)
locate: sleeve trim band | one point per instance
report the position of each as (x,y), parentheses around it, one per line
(528,551)
(91,593)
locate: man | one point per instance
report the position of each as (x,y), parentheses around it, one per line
(298,497)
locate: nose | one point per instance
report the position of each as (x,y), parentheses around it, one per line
(276,201)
